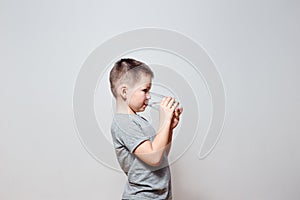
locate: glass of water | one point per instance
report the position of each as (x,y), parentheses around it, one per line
(155,100)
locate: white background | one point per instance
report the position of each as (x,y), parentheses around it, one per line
(254,44)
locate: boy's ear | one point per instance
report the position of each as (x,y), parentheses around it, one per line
(123,91)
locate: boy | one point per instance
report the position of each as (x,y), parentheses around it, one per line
(141,152)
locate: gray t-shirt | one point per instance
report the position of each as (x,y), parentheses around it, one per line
(144,181)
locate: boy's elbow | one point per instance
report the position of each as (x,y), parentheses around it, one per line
(155,162)
(151,161)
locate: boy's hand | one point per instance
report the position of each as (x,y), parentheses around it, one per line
(175,119)
(167,111)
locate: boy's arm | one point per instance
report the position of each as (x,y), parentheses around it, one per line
(169,141)
(174,123)
(152,152)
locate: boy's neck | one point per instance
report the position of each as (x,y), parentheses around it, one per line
(124,112)
(122,107)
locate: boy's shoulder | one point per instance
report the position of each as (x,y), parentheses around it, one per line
(127,122)
(129,118)
(131,123)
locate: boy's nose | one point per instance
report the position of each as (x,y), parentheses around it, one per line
(148,96)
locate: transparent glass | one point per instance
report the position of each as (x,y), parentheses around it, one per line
(155,100)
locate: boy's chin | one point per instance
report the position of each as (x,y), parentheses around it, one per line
(143,108)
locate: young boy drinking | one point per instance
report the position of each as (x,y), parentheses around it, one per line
(141,151)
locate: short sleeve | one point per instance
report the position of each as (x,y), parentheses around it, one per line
(128,132)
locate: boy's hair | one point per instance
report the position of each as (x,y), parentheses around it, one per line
(127,70)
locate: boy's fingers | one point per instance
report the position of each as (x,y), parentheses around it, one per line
(177,111)
(174,106)
(180,110)
(163,100)
(166,101)
(171,102)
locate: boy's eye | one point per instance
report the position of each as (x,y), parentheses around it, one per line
(146,90)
